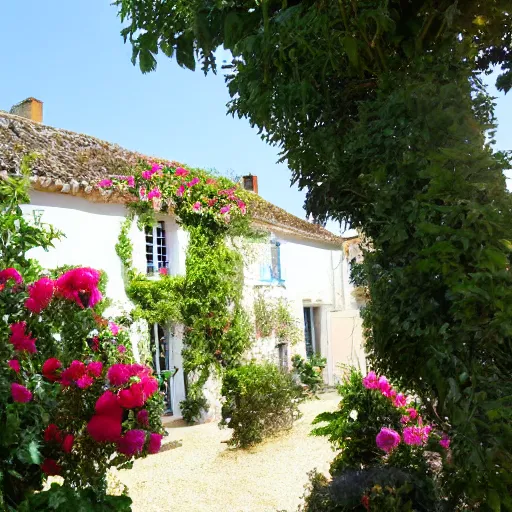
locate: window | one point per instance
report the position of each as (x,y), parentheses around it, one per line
(156,248)
(270,269)
(283,355)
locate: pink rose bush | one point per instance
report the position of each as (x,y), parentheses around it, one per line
(69,382)
(160,186)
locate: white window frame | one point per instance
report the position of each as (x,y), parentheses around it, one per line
(157,242)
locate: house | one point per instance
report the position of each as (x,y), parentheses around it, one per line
(302,264)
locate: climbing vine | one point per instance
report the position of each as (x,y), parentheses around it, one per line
(274,317)
(207,299)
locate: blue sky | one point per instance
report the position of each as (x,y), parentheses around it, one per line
(69,54)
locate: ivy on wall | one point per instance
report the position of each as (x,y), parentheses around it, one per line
(207,299)
(275,317)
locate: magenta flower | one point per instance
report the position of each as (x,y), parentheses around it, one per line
(416,435)
(119,374)
(371,381)
(40,295)
(143,417)
(12,274)
(147,175)
(387,439)
(132,442)
(163,271)
(197,206)
(95,368)
(384,386)
(405,419)
(14,364)
(22,341)
(114,328)
(225,209)
(105,183)
(121,349)
(211,202)
(193,182)
(181,172)
(241,205)
(80,285)
(180,191)
(413,413)
(445,442)
(155,192)
(84,382)
(400,400)
(155,443)
(20,393)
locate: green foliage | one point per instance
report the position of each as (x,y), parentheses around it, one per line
(261,400)
(207,299)
(63,498)
(310,371)
(274,317)
(379,114)
(353,427)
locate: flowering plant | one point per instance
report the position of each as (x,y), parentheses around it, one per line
(195,197)
(71,402)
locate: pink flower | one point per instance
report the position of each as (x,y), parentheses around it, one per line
(241,205)
(50,368)
(150,386)
(108,405)
(193,182)
(114,328)
(155,442)
(211,202)
(105,428)
(142,194)
(84,382)
(371,381)
(50,467)
(132,442)
(80,285)
(95,368)
(143,417)
(163,271)
(405,419)
(400,400)
(14,364)
(413,413)
(384,386)
(20,393)
(75,371)
(181,172)
(10,274)
(445,442)
(154,192)
(133,396)
(416,435)
(68,442)
(180,191)
(105,183)
(52,433)
(22,341)
(130,180)
(40,295)
(225,209)
(95,344)
(211,181)
(121,349)
(197,206)
(387,439)
(119,374)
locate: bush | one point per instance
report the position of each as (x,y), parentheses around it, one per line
(260,400)
(72,401)
(387,450)
(309,371)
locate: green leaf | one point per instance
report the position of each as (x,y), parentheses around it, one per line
(35,454)
(185,51)
(147,61)
(350,46)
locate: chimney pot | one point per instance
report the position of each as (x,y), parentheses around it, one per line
(250,183)
(30,108)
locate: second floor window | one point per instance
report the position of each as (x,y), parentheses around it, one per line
(270,267)
(156,248)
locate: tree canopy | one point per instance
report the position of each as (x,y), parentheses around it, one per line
(379,110)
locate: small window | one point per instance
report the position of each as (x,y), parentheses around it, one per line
(283,355)
(156,248)
(275,258)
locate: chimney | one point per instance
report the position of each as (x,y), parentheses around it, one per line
(250,183)
(30,108)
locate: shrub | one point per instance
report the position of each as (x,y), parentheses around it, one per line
(384,443)
(72,401)
(260,400)
(309,371)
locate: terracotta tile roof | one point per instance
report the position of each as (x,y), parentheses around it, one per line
(73,163)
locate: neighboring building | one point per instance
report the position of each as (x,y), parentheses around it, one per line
(302,263)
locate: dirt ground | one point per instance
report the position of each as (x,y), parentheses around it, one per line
(196,472)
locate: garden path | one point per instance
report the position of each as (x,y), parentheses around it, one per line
(199,473)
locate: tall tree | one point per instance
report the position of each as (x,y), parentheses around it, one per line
(378,108)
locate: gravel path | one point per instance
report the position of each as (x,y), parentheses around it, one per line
(199,473)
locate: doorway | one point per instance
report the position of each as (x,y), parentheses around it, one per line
(160,349)
(312,330)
